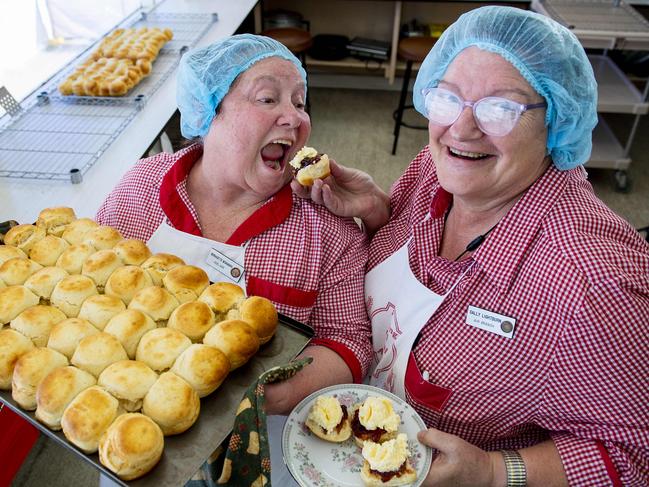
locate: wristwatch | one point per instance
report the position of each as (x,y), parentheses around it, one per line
(515,467)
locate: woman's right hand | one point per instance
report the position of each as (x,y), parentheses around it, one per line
(349,193)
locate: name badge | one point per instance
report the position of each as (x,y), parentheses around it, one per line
(226,266)
(492,322)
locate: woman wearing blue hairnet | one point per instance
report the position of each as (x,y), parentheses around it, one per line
(225,203)
(518,303)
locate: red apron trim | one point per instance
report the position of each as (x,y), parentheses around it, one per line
(345,353)
(171,202)
(441,202)
(430,395)
(17,437)
(608,463)
(280,294)
(273,213)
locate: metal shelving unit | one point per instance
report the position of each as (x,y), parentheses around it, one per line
(49,136)
(607,24)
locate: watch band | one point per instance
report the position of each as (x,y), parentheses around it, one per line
(515,467)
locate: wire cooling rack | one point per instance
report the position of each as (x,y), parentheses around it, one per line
(52,137)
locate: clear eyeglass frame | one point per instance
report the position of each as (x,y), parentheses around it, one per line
(494,115)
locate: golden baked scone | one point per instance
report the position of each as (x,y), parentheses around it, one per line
(160,348)
(70,293)
(222,297)
(24,236)
(57,390)
(128,327)
(36,323)
(329,420)
(135,43)
(236,339)
(13,301)
(102,77)
(96,352)
(99,266)
(12,346)
(172,404)
(9,252)
(132,251)
(126,281)
(54,220)
(88,416)
(387,464)
(375,420)
(159,264)
(309,165)
(186,282)
(203,367)
(103,237)
(100,308)
(16,271)
(128,381)
(76,230)
(72,258)
(30,370)
(193,319)
(121,60)
(43,281)
(131,446)
(66,335)
(47,250)
(260,313)
(156,302)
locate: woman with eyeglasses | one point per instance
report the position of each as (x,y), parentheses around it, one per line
(509,305)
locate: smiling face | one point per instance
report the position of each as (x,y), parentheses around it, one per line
(477,168)
(260,125)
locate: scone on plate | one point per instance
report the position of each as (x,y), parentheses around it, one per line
(329,420)
(375,420)
(387,463)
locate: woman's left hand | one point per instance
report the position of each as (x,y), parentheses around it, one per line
(457,462)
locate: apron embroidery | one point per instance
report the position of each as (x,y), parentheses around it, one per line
(398,314)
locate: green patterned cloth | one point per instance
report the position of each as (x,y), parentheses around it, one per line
(247,459)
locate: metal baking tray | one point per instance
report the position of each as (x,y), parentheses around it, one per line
(184,453)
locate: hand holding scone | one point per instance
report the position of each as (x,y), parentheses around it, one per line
(348,192)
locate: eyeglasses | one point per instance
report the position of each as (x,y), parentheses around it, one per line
(494,115)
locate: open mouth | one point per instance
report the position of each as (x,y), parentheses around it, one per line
(468,156)
(275,154)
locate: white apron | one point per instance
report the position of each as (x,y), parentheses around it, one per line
(222,262)
(399,306)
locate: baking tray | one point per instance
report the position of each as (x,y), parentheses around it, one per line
(184,453)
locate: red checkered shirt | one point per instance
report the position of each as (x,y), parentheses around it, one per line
(309,262)
(575,277)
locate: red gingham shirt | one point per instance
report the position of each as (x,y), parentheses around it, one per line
(575,277)
(309,262)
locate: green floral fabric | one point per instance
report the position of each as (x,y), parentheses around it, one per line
(247,459)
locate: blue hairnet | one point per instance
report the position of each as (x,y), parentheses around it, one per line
(205,75)
(546,54)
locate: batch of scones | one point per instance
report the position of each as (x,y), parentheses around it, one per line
(119,63)
(111,344)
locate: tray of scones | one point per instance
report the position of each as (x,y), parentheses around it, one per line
(133,360)
(355,434)
(123,58)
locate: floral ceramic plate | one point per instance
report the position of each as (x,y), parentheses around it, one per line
(314,462)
